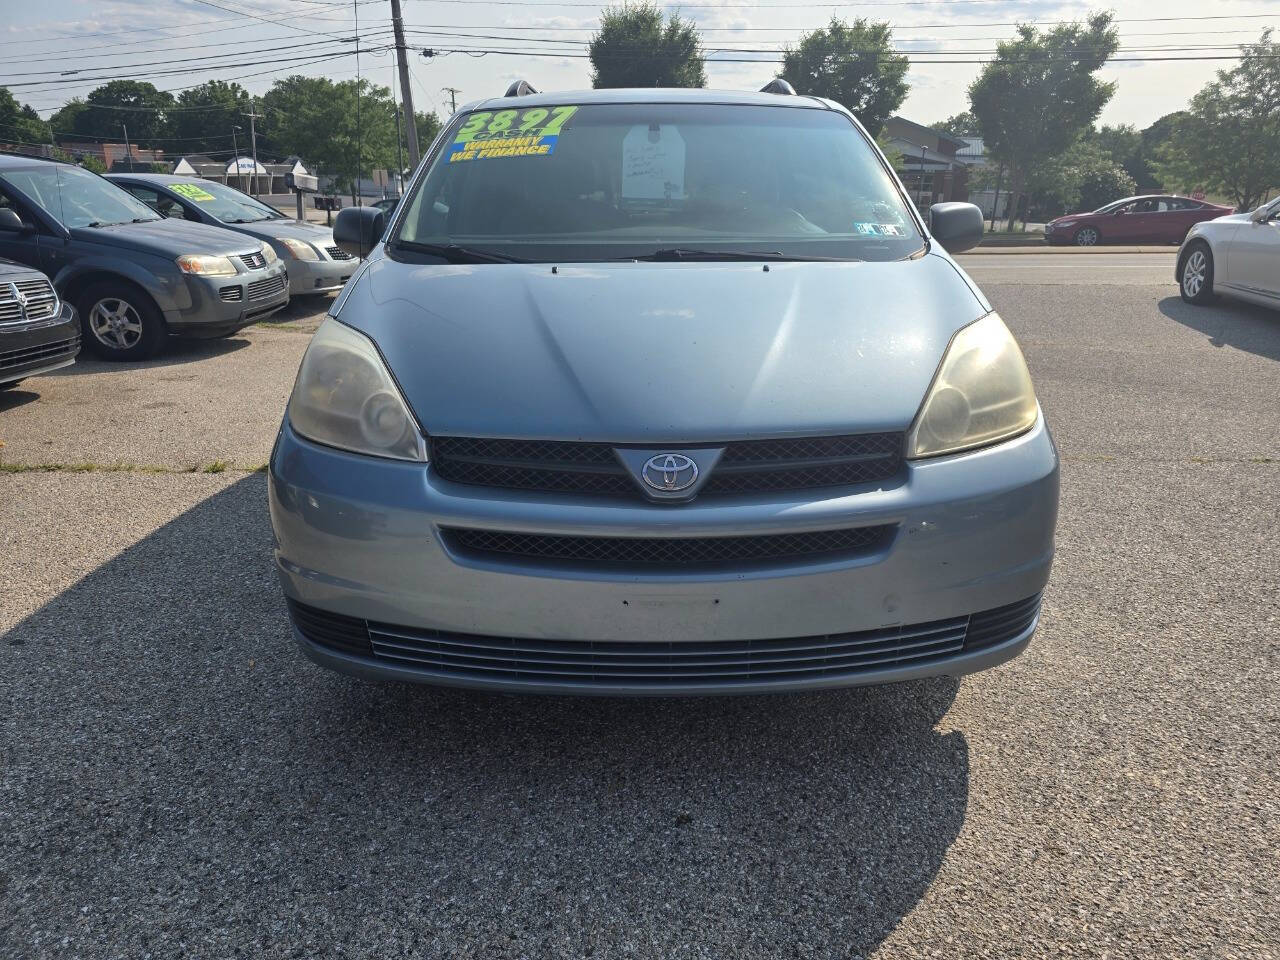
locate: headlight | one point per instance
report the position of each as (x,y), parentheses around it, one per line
(344,397)
(269,253)
(299,250)
(203,266)
(1065,223)
(982,393)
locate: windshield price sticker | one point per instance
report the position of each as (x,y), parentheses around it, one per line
(879,230)
(510,133)
(192,192)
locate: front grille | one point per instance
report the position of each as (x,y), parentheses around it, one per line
(990,627)
(231,294)
(45,353)
(666,553)
(42,301)
(654,663)
(555,466)
(268,287)
(254,261)
(337,253)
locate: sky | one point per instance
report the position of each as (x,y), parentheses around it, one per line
(56,49)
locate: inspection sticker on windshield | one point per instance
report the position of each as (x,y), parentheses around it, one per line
(510,133)
(879,230)
(192,192)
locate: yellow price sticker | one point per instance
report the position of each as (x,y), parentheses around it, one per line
(192,192)
(532,132)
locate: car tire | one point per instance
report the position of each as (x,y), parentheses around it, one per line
(1195,274)
(118,321)
(1087,237)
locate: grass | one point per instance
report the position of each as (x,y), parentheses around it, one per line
(216,466)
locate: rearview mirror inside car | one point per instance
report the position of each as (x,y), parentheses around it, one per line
(11,222)
(957,226)
(358,230)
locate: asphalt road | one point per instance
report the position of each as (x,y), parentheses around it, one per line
(179,782)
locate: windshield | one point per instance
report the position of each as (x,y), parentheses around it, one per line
(223,202)
(76,197)
(1113,205)
(600,182)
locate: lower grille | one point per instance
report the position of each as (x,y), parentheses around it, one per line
(45,353)
(268,287)
(337,253)
(991,627)
(676,553)
(473,657)
(231,294)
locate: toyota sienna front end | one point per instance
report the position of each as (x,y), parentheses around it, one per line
(661,392)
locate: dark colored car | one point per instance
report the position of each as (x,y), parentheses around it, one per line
(1152,219)
(38,331)
(133,276)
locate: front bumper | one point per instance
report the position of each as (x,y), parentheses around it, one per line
(222,305)
(319,276)
(361,538)
(29,349)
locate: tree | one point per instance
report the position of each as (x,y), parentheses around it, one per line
(428,127)
(317,119)
(1229,140)
(19,122)
(1084,177)
(634,48)
(1127,147)
(852,64)
(1039,94)
(204,116)
(961,125)
(134,103)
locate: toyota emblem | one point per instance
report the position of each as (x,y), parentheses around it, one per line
(670,472)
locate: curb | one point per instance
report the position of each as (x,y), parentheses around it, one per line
(1046,248)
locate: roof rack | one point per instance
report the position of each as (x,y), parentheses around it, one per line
(778,85)
(521,88)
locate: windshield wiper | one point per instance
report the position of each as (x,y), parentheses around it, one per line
(673,254)
(102,223)
(456,253)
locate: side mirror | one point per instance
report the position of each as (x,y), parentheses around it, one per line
(358,230)
(10,222)
(957,226)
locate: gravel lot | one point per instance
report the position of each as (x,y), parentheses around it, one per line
(178,781)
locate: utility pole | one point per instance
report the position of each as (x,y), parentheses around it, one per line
(127,152)
(406,95)
(453,98)
(253,115)
(235,149)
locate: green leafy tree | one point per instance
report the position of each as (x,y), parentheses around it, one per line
(960,125)
(636,48)
(1083,177)
(93,163)
(317,119)
(428,127)
(19,122)
(1040,93)
(204,115)
(132,103)
(853,64)
(1229,140)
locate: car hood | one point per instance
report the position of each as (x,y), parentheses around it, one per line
(16,271)
(657,352)
(168,238)
(1075,216)
(293,229)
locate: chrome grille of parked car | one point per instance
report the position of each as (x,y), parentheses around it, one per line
(45,353)
(571,467)
(337,253)
(42,301)
(267,287)
(254,261)
(656,663)
(666,553)
(231,294)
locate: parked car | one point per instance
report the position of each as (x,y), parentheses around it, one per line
(1150,219)
(1236,256)
(133,276)
(387,205)
(38,331)
(661,392)
(315,263)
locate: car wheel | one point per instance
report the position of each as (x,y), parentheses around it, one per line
(1087,237)
(1195,274)
(119,322)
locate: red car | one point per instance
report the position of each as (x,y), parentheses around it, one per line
(1151,219)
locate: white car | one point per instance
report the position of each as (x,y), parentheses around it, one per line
(1236,256)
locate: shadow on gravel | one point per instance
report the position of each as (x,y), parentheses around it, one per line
(1230,323)
(24,393)
(177,773)
(176,351)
